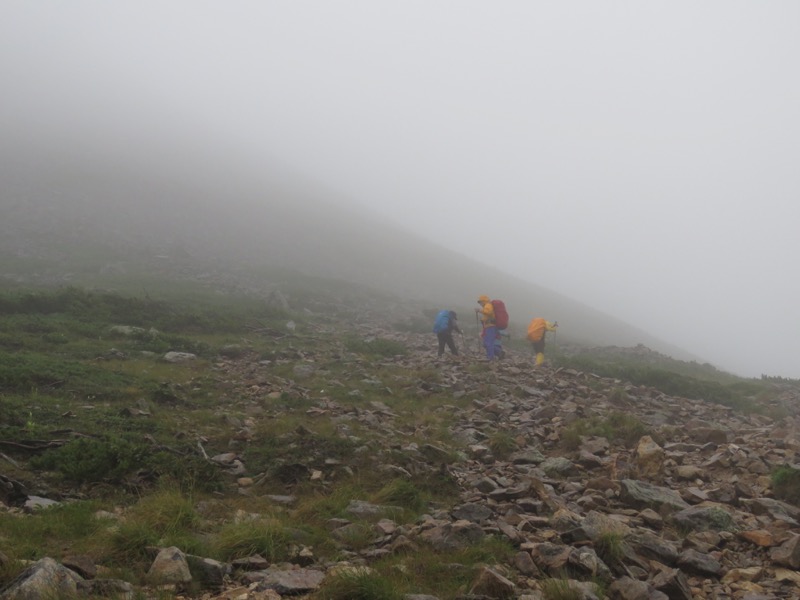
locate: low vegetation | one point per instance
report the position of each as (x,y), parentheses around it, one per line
(676,378)
(615,427)
(786,484)
(92,414)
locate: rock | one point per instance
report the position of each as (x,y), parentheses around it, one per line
(362,508)
(557,465)
(169,567)
(759,537)
(689,472)
(291,582)
(589,461)
(485,485)
(179,357)
(82,565)
(743,574)
(551,557)
(698,563)
(649,457)
(12,492)
(703,518)
(525,565)
(37,502)
(490,583)
(473,511)
(651,518)
(43,579)
(453,536)
(585,561)
(530,456)
(594,445)
(788,553)
(640,494)
(786,575)
(780,511)
(208,572)
(706,435)
(673,583)
(627,588)
(653,547)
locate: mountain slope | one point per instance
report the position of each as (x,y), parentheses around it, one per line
(91,217)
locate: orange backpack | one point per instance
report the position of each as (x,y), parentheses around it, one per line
(536,329)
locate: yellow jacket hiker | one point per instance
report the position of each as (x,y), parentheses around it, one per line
(489,331)
(486,311)
(537,330)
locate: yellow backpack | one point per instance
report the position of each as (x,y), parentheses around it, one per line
(536,329)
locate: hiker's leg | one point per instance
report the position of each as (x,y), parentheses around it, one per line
(441,337)
(451,344)
(489,335)
(538,348)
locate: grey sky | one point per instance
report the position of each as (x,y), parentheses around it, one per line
(641,157)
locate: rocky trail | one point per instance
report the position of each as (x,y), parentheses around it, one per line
(683,511)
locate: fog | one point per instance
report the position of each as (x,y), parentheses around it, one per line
(640,158)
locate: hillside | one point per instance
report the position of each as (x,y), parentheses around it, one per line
(96,223)
(221,448)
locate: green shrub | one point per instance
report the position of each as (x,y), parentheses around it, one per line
(786,484)
(91,460)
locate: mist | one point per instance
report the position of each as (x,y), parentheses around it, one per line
(640,160)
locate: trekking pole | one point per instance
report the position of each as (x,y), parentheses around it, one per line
(555,338)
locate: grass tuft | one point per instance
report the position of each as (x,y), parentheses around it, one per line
(359,584)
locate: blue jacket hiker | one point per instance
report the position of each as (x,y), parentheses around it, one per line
(445,324)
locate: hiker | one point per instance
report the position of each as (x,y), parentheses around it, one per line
(445,324)
(489,331)
(537,331)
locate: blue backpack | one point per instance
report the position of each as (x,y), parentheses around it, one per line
(442,321)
